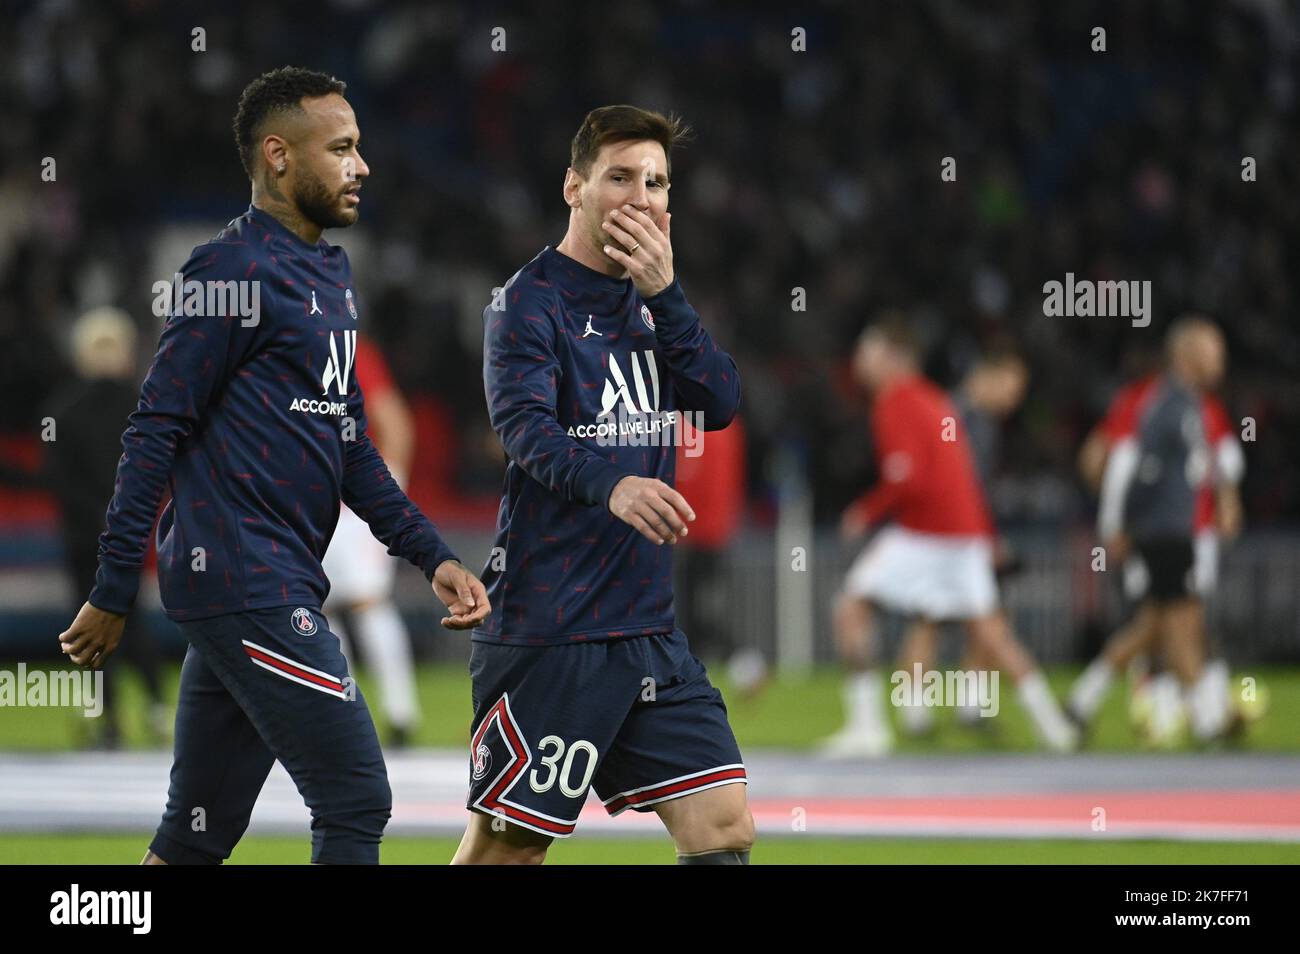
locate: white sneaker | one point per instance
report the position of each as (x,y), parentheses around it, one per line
(857,742)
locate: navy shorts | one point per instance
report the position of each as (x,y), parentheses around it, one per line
(260,686)
(1169,563)
(635,719)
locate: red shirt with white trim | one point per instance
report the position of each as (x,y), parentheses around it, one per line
(928,480)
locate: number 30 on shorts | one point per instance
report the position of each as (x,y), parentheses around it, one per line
(564,773)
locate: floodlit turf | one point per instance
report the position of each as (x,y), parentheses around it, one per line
(127,849)
(791,713)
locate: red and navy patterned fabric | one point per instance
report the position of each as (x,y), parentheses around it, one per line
(569,354)
(256,426)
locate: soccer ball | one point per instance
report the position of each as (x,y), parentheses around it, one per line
(1254,708)
(1157,713)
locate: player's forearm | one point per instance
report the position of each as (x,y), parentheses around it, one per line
(1121,466)
(372,493)
(1229,462)
(520,375)
(878,502)
(705,376)
(399,455)
(534,440)
(149,448)
(413,537)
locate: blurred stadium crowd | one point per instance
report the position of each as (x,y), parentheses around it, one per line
(816,170)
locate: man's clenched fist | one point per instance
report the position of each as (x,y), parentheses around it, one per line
(93,635)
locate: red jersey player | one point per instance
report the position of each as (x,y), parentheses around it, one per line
(935,562)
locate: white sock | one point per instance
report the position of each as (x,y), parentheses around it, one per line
(1167,710)
(864,703)
(1219,678)
(388,648)
(1207,706)
(1089,690)
(1036,696)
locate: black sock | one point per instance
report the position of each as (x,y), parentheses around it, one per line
(727,856)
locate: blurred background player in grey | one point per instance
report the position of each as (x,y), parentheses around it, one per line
(359,567)
(90,412)
(936,561)
(1207,458)
(991,392)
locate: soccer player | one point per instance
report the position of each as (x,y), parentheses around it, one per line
(360,570)
(250,416)
(989,393)
(936,561)
(581,678)
(1196,356)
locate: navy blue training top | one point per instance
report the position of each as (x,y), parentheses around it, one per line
(255,423)
(585,385)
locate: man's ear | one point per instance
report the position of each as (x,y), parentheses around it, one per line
(275,152)
(572,188)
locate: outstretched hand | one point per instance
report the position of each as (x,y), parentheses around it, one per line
(463,595)
(652,508)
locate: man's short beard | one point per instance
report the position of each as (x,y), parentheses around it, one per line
(319,205)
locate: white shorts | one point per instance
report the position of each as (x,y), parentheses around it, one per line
(1205,568)
(358,566)
(929,575)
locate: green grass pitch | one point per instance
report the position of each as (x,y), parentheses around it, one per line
(97,849)
(792,713)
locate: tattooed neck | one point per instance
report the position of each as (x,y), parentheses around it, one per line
(268,197)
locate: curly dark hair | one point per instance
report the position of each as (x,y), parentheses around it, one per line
(278,90)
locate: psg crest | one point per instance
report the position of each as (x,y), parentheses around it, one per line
(647,318)
(352,305)
(304,624)
(482,760)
